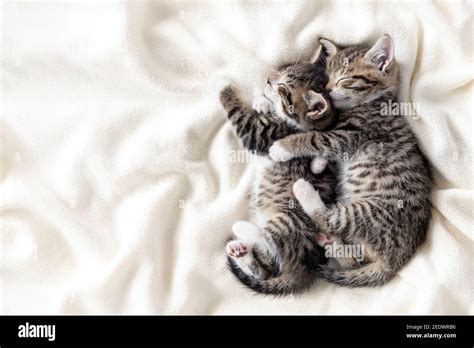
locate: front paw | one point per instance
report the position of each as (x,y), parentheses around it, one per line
(278,153)
(218,84)
(261,104)
(318,164)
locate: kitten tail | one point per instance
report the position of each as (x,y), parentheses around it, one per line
(284,284)
(372,274)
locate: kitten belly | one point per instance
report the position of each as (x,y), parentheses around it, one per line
(363,179)
(351,185)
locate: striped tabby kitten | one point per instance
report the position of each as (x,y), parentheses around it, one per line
(384,181)
(272,254)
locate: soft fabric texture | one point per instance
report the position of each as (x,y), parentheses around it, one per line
(120,177)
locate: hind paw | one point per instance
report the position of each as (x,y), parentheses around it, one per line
(236,248)
(278,153)
(246,231)
(308,197)
(323,239)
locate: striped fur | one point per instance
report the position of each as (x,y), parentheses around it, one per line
(276,255)
(383,195)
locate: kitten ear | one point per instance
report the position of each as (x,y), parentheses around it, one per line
(326,48)
(381,54)
(283,91)
(317,105)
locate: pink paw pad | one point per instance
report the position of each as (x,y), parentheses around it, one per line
(236,249)
(324,239)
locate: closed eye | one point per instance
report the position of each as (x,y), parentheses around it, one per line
(357,78)
(356,84)
(356,88)
(364,79)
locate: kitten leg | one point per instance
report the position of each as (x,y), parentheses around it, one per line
(247,231)
(278,153)
(262,104)
(242,251)
(255,131)
(340,220)
(247,235)
(336,144)
(308,197)
(342,263)
(318,164)
(313,205)
(346,262)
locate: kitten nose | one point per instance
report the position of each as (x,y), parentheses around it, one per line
(329,86)
(336,95)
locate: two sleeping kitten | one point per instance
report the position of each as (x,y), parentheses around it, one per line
(383,188)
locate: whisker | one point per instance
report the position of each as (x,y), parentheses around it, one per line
(323,61)
(297,60)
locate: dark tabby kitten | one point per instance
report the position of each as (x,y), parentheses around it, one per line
(275,252)
(384,183)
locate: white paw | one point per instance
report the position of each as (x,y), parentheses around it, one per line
(262,104)
(318,164)
(247,231)
(304,192)
(236,248)
(217,83)
(308,197)
(278,153)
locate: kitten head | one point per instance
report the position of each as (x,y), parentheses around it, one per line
(298,95)
(358,74)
